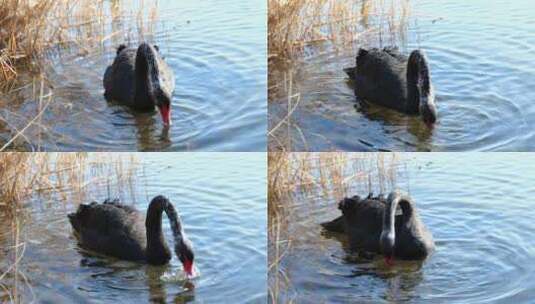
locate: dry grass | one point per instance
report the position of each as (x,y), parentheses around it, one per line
(30,28)
(63,177)
(297,24)
(331,176)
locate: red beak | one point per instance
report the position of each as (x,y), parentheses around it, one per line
(188,267)
(165,111)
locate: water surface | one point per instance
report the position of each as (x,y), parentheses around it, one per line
(217,50)
(221,200)
(480,212)
(481,57)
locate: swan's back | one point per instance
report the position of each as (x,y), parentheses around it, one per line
(110,228)
(381,77)
(363,220)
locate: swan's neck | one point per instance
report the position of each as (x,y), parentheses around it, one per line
(389,219)
(388,235)
(176,225)
(146,78)
(418,80)
(405,203)
(157,250)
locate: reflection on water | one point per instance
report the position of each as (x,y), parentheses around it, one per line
(217,50)
(478,208)
(482,70)
(221,200)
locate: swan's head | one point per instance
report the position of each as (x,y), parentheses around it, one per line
(387,242)
(162,100)
(428,110)
(184,252)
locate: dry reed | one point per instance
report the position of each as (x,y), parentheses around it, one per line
(298,24)
(28,29)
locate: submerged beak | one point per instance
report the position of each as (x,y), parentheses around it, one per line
(188,268)
(165,111)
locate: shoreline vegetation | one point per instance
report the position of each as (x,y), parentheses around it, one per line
(62,178)
(300,28)
(330,175)
(296,25)
(32,31)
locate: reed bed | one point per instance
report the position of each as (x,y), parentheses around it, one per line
(297,24)
(28,29)
(57,177)
(299,177)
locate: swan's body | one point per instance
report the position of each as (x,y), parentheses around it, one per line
(140,79)
(121,231)
(371,224)
(391,79)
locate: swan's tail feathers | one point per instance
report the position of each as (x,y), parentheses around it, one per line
(336,225)
(419,68)
(351,72)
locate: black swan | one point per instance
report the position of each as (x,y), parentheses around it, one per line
(119,230)
(393,80)
(141,80)
(372,224)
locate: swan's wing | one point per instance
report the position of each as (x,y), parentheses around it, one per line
(381,79)
(111,229)
(119,77)
(363,223)
(365,86)
(107,218)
